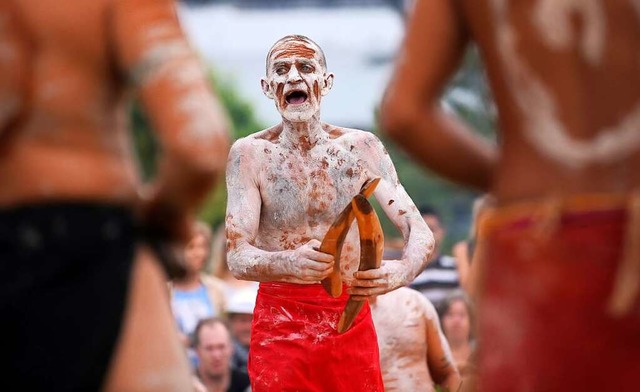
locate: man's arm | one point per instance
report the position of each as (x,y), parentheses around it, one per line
(398,206)
(439,358)
(153,54)
(411,113)
(247,262)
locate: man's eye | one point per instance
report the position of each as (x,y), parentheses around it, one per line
(281,70)
(306,68)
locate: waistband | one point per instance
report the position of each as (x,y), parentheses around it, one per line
(551,210)
(292,291)
(546,215)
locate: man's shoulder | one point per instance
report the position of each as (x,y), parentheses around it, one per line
(267,135)
(353,138)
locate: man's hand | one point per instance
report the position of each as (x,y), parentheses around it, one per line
(391,275)
(308,264)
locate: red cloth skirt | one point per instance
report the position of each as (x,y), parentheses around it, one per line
(295,346)
(543,320)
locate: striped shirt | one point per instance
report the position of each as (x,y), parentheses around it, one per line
(438,279)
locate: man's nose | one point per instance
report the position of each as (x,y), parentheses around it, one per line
(294,75)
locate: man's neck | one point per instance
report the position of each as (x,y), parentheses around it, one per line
(303,135)
(216,383)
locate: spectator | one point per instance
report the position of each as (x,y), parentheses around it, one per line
(196,295)
(414,354)
(463,251)
(213,346)
(240,316)
(456,315)
(440,276)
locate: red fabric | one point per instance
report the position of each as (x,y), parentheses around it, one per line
(295,346)
(542,319)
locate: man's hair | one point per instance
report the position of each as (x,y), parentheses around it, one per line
(204,230)
(207,322)
(295,37)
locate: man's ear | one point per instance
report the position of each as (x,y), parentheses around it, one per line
(328,83)
(266,89)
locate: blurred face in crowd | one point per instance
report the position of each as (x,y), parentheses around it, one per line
(438,231)
(456,323)
(296,78)
(214,351)
(240,325)
(197,252)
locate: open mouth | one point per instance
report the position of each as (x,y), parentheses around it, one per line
(296,97)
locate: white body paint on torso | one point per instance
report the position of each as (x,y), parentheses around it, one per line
(303,192)
(543,127)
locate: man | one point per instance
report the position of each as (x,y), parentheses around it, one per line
(240,315)
(286,186)
(559,265)
(414,354)
(212,343)
(440,277)
(72,206)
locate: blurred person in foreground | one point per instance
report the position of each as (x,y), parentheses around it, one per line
(286,185)
(414,354)
(213,345)
(559,277)
(77,229)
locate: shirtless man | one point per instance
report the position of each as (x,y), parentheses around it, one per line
(414,353)
(560,264)
(286,186)
(71,203)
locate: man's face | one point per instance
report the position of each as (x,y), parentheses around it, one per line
(196,252)
(214,350)
(240,325)
(296,79)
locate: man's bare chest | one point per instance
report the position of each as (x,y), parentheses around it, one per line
(310,187)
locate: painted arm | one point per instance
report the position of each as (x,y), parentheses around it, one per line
(400,209)
(246,261)
(439,358)
(411,113)
(189,122)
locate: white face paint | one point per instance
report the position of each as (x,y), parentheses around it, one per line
(543,127)
(296,80)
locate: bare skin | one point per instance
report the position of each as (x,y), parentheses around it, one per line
(66,140)
(414,354)
(288,183)
(563,74)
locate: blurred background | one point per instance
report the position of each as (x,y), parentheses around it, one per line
(360,39)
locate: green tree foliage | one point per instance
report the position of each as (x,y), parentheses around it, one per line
(243,122)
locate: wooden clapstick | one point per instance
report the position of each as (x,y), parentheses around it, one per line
(334,239)
(371,249)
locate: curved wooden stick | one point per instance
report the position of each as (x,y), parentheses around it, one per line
(371,249)
(334,239)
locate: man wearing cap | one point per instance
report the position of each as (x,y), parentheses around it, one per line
(240,316)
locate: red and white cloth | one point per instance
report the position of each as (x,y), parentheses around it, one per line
(295,345)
